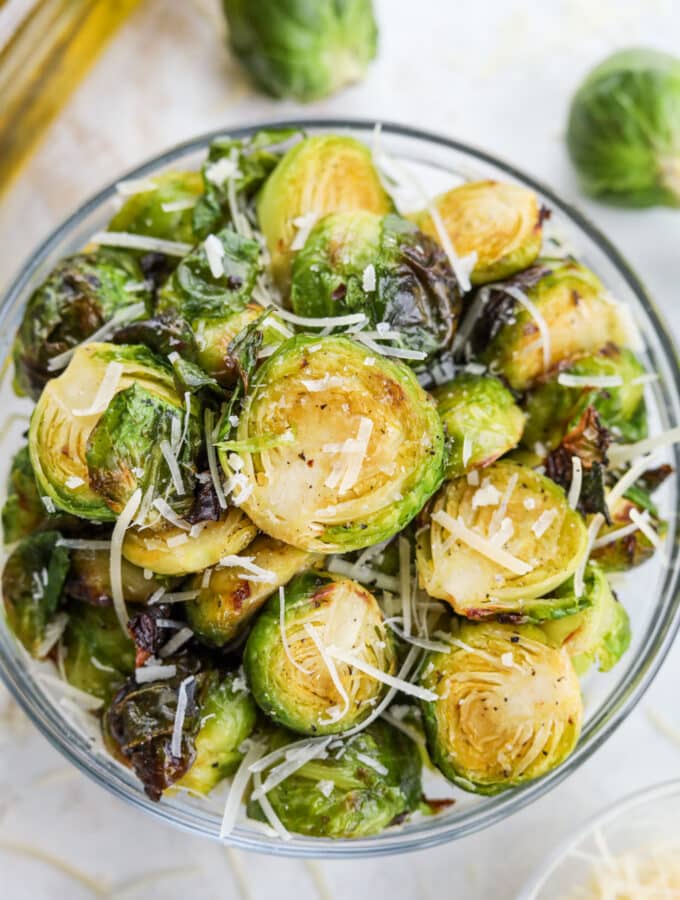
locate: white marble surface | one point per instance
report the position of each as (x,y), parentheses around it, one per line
(497,74)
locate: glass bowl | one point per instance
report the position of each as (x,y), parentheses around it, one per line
(437,163)
(646,819)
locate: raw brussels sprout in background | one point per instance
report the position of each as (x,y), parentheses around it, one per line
(573,307)
(163,208)
(228,716)
(81,294)
(309,398)
(544,536)
(32,582)
(290,677)
(307,51)
(228,601)
(481,418)
(509,707)
(499,222)
(66,417)
(343,795)
(600,633)
(162,550)
(552,408)
(99,656)
(381,266)
(623,135)
(319,175)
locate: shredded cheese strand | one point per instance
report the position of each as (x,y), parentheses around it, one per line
(406,687)
(576,482)
(284,636)
(140,242)
(482,545)
(123,522)
(332,670)
(238,788)
(105,392)
(620,454)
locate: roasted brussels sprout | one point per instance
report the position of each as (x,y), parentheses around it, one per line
(631,547)
(228,716)
(163,207)
(342,448)
(89,579)
(371,782)
(81,293)
(553,312)
(555,405)
(32,585)
(319,175)
(384,267)
(99,655)
(499,222)
(511,539)
(301,50)
(509,707)
(24,511)
(624,133)
(600,633)
(65,424)
(481,418)
(289,658)
(232,595)
(169,550)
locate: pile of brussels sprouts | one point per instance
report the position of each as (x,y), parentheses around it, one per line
(321,494)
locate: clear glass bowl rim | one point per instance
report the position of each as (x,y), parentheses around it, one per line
(49,722)
(601,819)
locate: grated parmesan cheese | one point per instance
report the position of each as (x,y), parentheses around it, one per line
(304,225)
(576,482)
(168,513)
(208,424)
(238,788)
(543,522)
(105,392)
(313,634)
(598,381)
(486,495)
(481,544)
(368,279)
(372,763)
(173,466)
(140,242)
(214,252)
(356,662)
(284,636)
(147,674)
(252,572)
(593,529)
(123,522)
(627,480)
(180,715)
(176,641)
(624,453)
(74,481)
(535,314)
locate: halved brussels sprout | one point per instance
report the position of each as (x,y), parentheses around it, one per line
(163,208)
(99,655)
(24,511)
(633,547)
(598,634)
(319,175)
(169,550)
(481,418)
(569,304)
(89,579)
(228,716)
(509,707)
(371,782)
(384,267)
(301,50)
(232,596)
(499,222)
(512,538)
(554,408)
(291,670)
(81,293)
(68,410)
(32,584)
(345,446)
(623,135)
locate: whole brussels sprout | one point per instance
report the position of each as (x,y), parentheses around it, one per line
(99,656)
(81,294)
(163,208)
(319,175)
(509,707)
(624,129)
(481,418)
(228,716)
(345,447)
(510,539)
(553,408)
(32,584)
(168,550)
(289,665)
(600,633)
(231,596)
(574,311)
(384,267)
(89,579)
(302,50)
(66,417)
(501,223)
(373,781)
